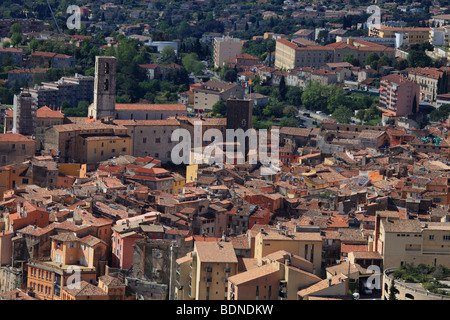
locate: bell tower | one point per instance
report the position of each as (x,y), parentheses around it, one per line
(104,88)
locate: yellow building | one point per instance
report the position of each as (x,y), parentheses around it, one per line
(210,265)
(14,175)
(178,183)
(88,141)
(307,245)
(410,36)
(191,173)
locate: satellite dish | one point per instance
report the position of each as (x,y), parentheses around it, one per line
(356,296)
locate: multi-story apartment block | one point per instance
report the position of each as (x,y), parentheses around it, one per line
(428,78)
(404,36)
(307,245)
(16,55)
(52,60)
(25,77)
(71,89)
(411,241)
(203,274)
(28,25)
(212,91)
(226,48)
(399,95)
(289,55)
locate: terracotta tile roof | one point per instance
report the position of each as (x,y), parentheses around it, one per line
(253,274)
(321,285)
(14,137)
(150,107)
(215,252)
(111,282)
(402,226)
(83,289)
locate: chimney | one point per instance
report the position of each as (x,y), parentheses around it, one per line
(329,282)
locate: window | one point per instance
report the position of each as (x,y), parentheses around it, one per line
(446,238)
(431,237)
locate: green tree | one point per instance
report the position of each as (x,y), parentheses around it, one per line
(350,58)
(294,95)
(290,111)
(230,75)
(168,55)
(314,97)
(33,44)
(342,114)
(192,63)
(372,60)
(220,108)
(16,28)
(6,44)
(392,291)
(16,39)
(440,114)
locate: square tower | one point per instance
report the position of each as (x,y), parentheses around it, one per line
(239,114)
(104,88)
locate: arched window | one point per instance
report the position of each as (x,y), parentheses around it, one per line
(106,85)
(106,68)
(409,296)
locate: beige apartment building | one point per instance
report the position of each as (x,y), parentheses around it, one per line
(307,245)
(15,148)
(428,80)
(226,48)
(212,91)
(289,55)
(408,36)
(203,274)
(412,241)
(280,277)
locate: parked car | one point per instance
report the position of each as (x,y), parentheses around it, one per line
(306,115)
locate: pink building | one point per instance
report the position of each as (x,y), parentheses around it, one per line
(122,248)
(399,96)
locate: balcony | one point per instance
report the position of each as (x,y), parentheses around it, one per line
(208,279)
(208,269)
(227,270)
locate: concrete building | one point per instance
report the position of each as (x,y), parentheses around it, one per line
(289,55)
(88,142)
(226,48)
(151,137)
(71,89)
(399,95)
(16,55)
(405,36)
(15,148)
(428,78)
(212,91)
(44,119)
(307,245)
(204,274)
